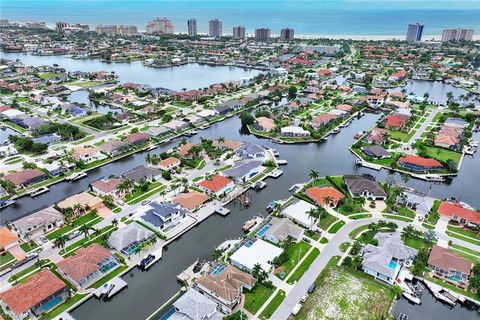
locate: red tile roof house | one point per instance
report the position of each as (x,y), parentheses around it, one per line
(105,187)
(264,124)
(375,101)
(449,266)
(114,147)
(87,265)
(322,119)
(138,138)
(25,177)
(86,154)
(376,136)
(321,194)
(396,121)
(217,185)
(419,164)
(456,212)
(345,107)
(169,164)
(37,295)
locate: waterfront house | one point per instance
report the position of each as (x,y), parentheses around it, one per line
(8,239)
(87,154)
(158,132)
(143,172)
(127,239)
(137,138)
(244,171)
(264,124)
(217,185)
(344,107)
(114,147)
(297,211)
(224,285)
(193,305)
(191,200)
(376,152)
(227,144)
(374,101)
(109,186)
(364,186)
(396,121)
(169,163)
(87,265)
(38,294)
(459,214)
(321,194)
(250,151)
(253,252)
(416,201)
(85,199)
(37,224)
(419,164)
(385,260)
(25,177)
(164,215)
(322,119)
(449,266)
(294,131)
(279,229)
(184,149)
(376,136)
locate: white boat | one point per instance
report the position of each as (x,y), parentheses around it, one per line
(282,162)
(411,298)
(260,185)
(434,178)
(6,203)
(76,176)
(335,131)
(152,147)
(249,225)
(276,173)
(38,191)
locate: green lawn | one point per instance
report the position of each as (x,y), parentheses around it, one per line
(86,241)
(395,217)
(303,267)
(361,216)
(108,277)
(255,299)
(416,243)
(295,253)
(344,246)
(401,136)
(325,222)
(64,306)
(406,212)
(468,239)
(467,250)
(273,305)
(354,233)
(460,230)
(90,219)
(442,154)
(29,246)
(336,227)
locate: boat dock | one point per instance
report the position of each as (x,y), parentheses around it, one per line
(442,294)
(193,272)
(222,211)
(110,288)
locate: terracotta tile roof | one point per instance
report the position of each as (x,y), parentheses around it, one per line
(446,260)
(446,140)
(191,200)
(452,209)
(38,287)
(79,152)
(324,118)
(84,198)
(136,137)
(344,107)
(107,185)
(21,177)
(420,161)
(85,261)
(228,144)
(217,183)
(183,149)
(168,162)
(266,123)
(7,237)
(396,120)
(318,194)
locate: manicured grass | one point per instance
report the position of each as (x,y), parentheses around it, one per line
(361,216)
(311,234)
(201,165)
(323,240)
(6,257)
(303,267)
(22,273)
(86,241)
(395,217)
(344,246)
(401,136)
(354,233)
(90,219)
(433,215)
(416,243)
(108,277)
(334,228)
(467,250)
(442,154)
(273,305)
(137,192)
(86,139)
(428,226)
(325,222)
(406,212)
(64,306)
(295,253)
(181,104)
(460,230)
(255,299)
(468,239)
(29,246)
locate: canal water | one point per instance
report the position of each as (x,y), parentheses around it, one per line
(189,76)
(148,290)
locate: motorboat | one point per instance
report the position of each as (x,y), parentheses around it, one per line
(38,191)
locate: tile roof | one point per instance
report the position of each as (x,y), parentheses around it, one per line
(37,288)
(451,209)
(318,194)
(420,161)
(396,120)
(446,260)
(7,237)
(136,137)
(217,183)
(107,185)
(40,218)
(358,184)
(168,162)
(85,261)
(191,199)
(84,198)
(23,176)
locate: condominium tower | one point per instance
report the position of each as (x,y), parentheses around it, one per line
(287,34)
(457,34)
(414,32)
(192,27)
(215,28)
(262,34)
(160,26)
(239,32)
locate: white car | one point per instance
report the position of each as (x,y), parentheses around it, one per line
(145,202)
(304,298)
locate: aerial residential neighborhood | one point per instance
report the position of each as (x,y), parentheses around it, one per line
(215,166)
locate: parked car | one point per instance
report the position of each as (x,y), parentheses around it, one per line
(145,202)
(296,309)
(304,298)
(73,235)
(120,202)
(420,218)
(312,288)
(42,239)
(307,240)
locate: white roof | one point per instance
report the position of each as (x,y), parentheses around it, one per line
(298,212)
(337,112)
(260,252)
(294,129)
(206,113)
(10,113)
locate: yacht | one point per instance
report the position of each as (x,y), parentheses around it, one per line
(6,203)
(38,191)
(76,176)
(276,173)
(282,162)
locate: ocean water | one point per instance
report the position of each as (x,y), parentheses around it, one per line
(307,17)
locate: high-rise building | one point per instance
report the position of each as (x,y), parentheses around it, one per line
(82,26)
(192,27)
(457,34)
(414,32)
(4,23)
(59,26)
(215,28)
(127,30)
(36,25)
(160,26)
(287,34)
(239,32)
(262,34)
(106,29)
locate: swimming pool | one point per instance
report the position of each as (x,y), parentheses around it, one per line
(454,278)
(218,269)
(249,243)
(264,230)
(52,303)
(392,264)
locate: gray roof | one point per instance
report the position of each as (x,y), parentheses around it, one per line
(40,218)
(140,172)
(282,227)
(358,184)
(376,151)
(124,237)
(160,212)
(422,202)
(377,258)
(157,131)
(195,306)
(240,169)
(248,149)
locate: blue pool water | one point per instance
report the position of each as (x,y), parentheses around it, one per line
(168,314)
(262,231)
(454,278)
(218,269)
(52,303)
(249,243)
(392,264)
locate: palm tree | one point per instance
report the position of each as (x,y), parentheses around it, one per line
(328,200)
(85,230)
(405,178)
(313,175)
(163,193)
(314,214)
(96,232)
(60,241)
(115,222)
(361,201)
(221,140)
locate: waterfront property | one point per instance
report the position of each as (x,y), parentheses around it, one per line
(225,286)
(38,224)
(279,229)
(163,215)
(364,186)
(449,266)
(217,185)
(128,239)
(456,212)
(191,200)
(87,265)
(8,239)
(110,187)
(385,261)
(84,199)
(419,164)
(325,196)
(253,252)
(297,211)
(193,305)
(39,294)
(242,171)
(25,177)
